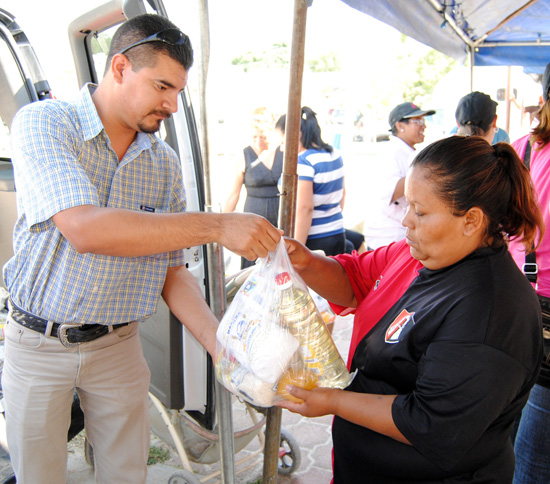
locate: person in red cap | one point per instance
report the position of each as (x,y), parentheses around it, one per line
(386,205)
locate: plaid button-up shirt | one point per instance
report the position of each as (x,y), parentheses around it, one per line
(63,158)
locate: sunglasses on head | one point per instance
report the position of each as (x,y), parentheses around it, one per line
(168,36)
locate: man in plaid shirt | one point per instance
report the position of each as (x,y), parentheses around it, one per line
(100,236)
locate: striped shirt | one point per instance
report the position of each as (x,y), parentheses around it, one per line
(63,158)
(326,171)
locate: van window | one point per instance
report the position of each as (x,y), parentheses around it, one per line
(12,95)
(100,44)
(5,150)
(21,80)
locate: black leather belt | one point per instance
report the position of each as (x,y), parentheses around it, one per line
(69,334)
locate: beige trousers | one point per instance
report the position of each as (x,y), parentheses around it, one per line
(112,380)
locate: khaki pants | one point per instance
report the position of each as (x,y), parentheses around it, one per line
(112,380)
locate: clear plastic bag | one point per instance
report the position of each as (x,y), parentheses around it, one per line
(273,334)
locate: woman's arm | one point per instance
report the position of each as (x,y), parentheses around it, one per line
(233,198)
(367,410)
(304,210)
(323,274)
(343,201)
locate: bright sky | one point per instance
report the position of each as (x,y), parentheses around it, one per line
(375,64)
(236,27)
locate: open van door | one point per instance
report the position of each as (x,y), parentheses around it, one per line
(21,82)
(182,372)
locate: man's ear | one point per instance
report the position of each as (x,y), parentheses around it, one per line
(474,221)
(119,63)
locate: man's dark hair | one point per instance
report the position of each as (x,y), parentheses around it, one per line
(141,27)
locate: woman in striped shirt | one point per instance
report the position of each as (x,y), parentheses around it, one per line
(320,196)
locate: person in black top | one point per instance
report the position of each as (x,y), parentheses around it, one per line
(259,171)
(447,335)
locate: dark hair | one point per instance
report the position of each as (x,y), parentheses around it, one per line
(311,131)
(469,172)
(141,27)
(281,123)
(470,130)
(541,132)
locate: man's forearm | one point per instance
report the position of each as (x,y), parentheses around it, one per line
(127,233)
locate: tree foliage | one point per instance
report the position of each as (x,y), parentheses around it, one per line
(422,71)
(326,63)
(279,56)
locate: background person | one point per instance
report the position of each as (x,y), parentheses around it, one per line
(320,192)
(100,235)
(446,339)
(260,175)
(325,194)
(532,441)
(385,207)
(501,136)
(476,115)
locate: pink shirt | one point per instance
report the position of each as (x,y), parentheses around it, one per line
(540,173)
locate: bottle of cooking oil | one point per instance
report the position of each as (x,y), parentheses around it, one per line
(317,349)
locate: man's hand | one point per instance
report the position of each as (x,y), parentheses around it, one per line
(248,235)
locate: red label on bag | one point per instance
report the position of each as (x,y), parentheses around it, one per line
(282,279)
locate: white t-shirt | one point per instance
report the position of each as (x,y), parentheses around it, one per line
(383,218)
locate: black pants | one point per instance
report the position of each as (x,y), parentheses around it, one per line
(353,240)
(331,245)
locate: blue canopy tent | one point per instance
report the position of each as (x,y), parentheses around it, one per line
(488,32)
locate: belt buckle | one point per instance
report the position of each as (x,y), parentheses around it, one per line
(62,334)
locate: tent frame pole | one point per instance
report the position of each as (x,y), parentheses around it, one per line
(471,56)
(216,266)
(287,203)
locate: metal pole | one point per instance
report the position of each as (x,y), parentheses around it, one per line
(471,53)
(287,204)
(508,97)
(216,268)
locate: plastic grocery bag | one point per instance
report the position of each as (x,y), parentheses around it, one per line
(272,334)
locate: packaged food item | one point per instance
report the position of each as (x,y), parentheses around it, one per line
(304,321)
(328,315)
(273,332)
(302,378)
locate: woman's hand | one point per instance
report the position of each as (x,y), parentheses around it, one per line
(373,412)
(316,402)
(321,273)
(300,256)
